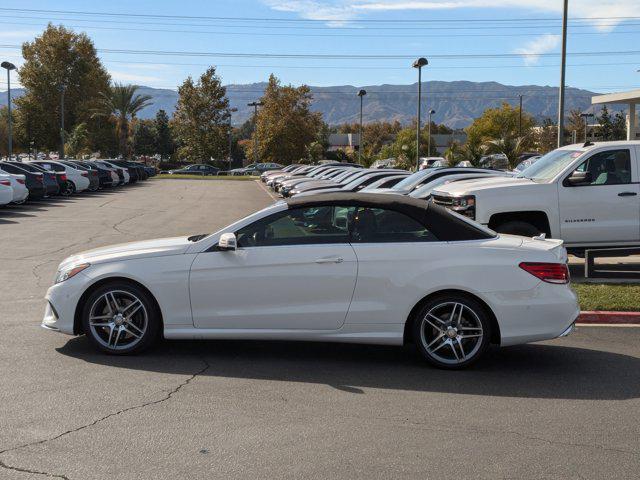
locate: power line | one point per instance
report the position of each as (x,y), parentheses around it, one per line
(299,20)
(320,56)
(336,35)
(464,25)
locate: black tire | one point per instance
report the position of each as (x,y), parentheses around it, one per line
(147,336)
(69,189)
(462,351)
(517,227)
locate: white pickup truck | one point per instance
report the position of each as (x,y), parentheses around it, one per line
(587,195)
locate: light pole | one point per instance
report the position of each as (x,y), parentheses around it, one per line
(520,117)
(431,112)
(255,106)
(586,116)
(62,89)
(563,65)
(419,63)
(9,66)
(361,94)
(231,110)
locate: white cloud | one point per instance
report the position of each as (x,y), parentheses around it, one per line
(532,50)
(341,11)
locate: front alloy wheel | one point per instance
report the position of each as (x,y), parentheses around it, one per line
(452,332)
(120,319)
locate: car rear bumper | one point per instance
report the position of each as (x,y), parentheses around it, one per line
(545,312)
(37,191)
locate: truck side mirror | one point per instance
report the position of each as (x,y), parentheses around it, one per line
(578,178)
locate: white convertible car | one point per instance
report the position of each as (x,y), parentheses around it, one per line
(341,267)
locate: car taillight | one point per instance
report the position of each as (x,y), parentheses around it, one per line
(20,181)
(547,272)
(84,174)
(52,176)
(63,177)
(6,183)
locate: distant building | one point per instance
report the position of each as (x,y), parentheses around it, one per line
(344,141)
(443,140)
(630,99)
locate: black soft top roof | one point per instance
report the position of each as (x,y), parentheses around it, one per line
(438,220)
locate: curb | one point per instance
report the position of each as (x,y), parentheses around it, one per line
(610,318)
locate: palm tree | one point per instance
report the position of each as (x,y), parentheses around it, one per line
(123,103)
(511,146)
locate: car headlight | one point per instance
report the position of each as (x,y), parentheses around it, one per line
(71,271)
(465,205)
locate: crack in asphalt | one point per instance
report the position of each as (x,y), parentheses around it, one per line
(35,472)
(95,422)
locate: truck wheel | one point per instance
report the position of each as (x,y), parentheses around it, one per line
(517,227)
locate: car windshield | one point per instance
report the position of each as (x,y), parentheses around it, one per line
(550,165)
(425,190)
(412,180)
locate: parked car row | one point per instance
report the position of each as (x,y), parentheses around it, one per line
(587,195)
(37,179)
(297,180)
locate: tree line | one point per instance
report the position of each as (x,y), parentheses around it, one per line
(65,80)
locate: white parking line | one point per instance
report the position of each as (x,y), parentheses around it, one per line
(266,190)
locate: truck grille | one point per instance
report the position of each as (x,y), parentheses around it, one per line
(442,201)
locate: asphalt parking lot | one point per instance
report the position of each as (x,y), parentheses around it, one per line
(567,408)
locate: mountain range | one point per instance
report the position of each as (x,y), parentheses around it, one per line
(456,103)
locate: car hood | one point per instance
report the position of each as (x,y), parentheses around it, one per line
(476,185)
(315,184)
(126,251)
(389,191)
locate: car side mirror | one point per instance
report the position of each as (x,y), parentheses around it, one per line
(578,178)
(227,242)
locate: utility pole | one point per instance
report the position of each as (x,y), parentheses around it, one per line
(231,110)
(419,63)
(431,112)
(520,118)
(563,65)
(361,94)
(255,106)
(62,89)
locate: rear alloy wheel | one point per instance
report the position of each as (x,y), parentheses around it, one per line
(120,319)
(69,189)
(452,332)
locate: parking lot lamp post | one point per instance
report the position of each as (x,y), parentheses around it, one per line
(9,66)
(62,89)
(231,110)
(431,112)
(419,63)
(361,94)
(255,106)
(586,124)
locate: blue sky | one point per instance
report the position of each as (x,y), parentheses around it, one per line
(411,28)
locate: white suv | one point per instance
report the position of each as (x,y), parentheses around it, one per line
(587,195)
(78,179)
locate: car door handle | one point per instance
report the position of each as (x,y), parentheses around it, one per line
(330,260)
(627,194)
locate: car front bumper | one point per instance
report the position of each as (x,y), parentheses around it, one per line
(62,300)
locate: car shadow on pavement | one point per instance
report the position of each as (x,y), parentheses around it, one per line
(527,371)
